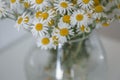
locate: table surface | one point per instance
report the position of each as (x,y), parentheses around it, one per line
(14,49)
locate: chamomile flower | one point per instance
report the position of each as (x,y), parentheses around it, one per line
(45,42)
(19,23)
(86,4)
(22,21)
(47,15)
(79,18)
(63,6)
(83,29)
(39,4)
(26,4)
(39,28)
(64,32)
(66,19)
(98,12)
(38,14)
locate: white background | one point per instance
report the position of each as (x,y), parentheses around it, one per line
(14,46)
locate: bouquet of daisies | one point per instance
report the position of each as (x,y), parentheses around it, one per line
(54,22)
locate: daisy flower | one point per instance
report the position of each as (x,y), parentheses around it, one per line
(83,29)
(66,19)
(39,4)
(79,18)
(98,12)
(22,21)
(38,14)
(19,22)
(39,28)
(63,6)
(64,32)
(86,4)
(47,15)
(45,42)
(27,4)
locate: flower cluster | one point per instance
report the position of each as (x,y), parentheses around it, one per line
(58,21)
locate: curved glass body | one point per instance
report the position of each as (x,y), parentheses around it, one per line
(76,60)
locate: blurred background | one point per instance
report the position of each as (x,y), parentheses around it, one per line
(14,46)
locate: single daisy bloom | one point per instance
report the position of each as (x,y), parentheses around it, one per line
(39,4)
(39,28)
(83,29)
(45,42)
(98,12)
(22,21)
(79,18)
(47,15)
(19,22)
(86,4)
(66,19)
(26,4)
(38,14)
(64,32)
(63,6)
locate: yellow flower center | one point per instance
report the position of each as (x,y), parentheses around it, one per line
(45,41)
(64,32)
(105,24)
(38,14)
(44,15)
(79,17)
(39,27)
(96,2)
(39,1)
(64,5)
(66,19)
(19,21)
(82,28)
(26,5)
(12,1)
(26,20)
(86,1)
(99,8)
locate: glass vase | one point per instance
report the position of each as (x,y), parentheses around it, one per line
(75,60)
